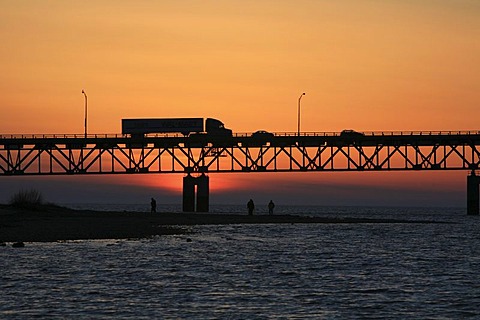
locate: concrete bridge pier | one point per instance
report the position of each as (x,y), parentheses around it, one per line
(188,204)
(201,186)
(473,182)
(202,193)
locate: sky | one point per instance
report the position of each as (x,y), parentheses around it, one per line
(367,65)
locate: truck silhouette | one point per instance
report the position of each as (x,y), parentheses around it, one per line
(185,126)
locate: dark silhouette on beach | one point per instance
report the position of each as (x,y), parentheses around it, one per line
(251,207)
(54,223)
(153,205)
(271,205)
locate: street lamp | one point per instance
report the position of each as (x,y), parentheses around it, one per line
(83,91)
(298,118)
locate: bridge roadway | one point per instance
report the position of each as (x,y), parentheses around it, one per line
(200,154)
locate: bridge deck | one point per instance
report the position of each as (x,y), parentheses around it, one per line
(201,153)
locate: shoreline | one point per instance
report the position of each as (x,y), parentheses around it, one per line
(54,223)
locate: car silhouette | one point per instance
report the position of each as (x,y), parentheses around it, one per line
(351,134)
(262,134)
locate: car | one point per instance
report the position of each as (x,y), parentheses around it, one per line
(262,134)
(349,133)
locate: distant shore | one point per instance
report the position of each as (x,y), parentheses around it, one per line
(54,223)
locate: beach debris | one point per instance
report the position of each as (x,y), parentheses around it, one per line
(18,245)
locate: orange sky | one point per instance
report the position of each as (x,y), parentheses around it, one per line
(364,64)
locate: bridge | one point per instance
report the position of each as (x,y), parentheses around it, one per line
(199,154)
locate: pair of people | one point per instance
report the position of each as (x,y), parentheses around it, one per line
(251,207)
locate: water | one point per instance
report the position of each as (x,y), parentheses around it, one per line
(300,271)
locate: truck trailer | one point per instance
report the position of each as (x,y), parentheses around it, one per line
(185,126)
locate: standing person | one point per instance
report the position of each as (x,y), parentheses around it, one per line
(250,206)
(271,205)
(153,205)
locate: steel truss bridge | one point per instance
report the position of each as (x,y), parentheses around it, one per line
(200,154)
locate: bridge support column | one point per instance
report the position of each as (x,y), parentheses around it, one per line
(188,204)
(473,182)
(202,193)
(199,184)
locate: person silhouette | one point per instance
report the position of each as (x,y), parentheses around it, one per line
(251,207)
(271,205)
(153,205)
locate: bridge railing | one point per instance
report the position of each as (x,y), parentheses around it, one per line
(420,133)
(383,133)
(244,134)
(59,136)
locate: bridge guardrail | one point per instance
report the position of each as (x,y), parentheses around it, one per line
(244,134)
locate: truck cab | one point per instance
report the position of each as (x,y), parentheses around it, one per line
(217,128)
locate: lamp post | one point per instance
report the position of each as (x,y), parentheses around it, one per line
(86,105)
(298,118)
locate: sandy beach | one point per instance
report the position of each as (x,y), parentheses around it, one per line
(58,224)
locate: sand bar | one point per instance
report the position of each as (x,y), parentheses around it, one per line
(57,224)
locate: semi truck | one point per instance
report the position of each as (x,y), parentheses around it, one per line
(185,126)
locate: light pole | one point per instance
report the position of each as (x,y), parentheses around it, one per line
(298,118)
(86,105)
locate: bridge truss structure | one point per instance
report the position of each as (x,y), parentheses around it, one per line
(200,154)
(116,154)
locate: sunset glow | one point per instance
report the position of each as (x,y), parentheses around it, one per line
(364,65)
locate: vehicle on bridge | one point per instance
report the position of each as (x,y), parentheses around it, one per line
(260,138)
(262,134)
(185,126)
(349,133)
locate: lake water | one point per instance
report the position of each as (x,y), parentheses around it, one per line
(299,271)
